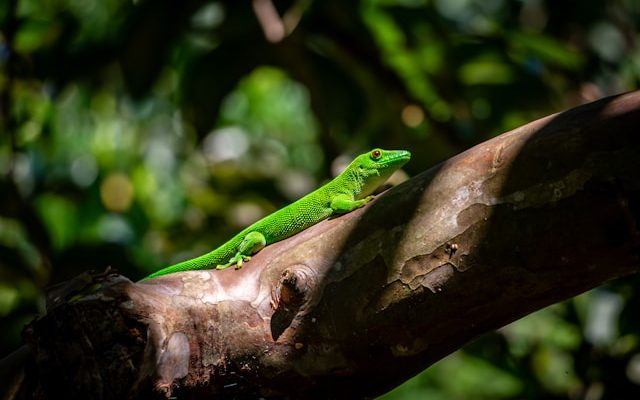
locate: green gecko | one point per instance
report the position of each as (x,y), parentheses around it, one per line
(348,191)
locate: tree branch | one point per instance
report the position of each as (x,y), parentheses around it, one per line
(357,304)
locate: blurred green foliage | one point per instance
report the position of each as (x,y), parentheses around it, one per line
(138,133)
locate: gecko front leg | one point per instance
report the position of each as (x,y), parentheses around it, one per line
(252,243)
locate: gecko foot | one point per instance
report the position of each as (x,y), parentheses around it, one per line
(238,260)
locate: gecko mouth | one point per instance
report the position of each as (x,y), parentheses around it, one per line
(395,157)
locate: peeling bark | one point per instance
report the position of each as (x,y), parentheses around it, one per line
(357,304)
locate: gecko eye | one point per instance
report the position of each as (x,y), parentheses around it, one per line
(375,154)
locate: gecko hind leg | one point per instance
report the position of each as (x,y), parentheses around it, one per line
(252,243)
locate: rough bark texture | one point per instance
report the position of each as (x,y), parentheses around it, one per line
(357,304)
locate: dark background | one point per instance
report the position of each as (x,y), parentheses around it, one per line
(139,133)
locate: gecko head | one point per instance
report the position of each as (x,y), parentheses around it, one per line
(373,168)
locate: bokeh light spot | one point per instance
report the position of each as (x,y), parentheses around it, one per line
(116,192)
(412,115)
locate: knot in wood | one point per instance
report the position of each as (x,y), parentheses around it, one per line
(293,287)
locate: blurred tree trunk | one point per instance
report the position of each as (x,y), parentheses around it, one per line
(355,305)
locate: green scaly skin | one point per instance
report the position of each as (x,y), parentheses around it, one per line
(350,190)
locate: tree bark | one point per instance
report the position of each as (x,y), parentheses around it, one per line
(357,304)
